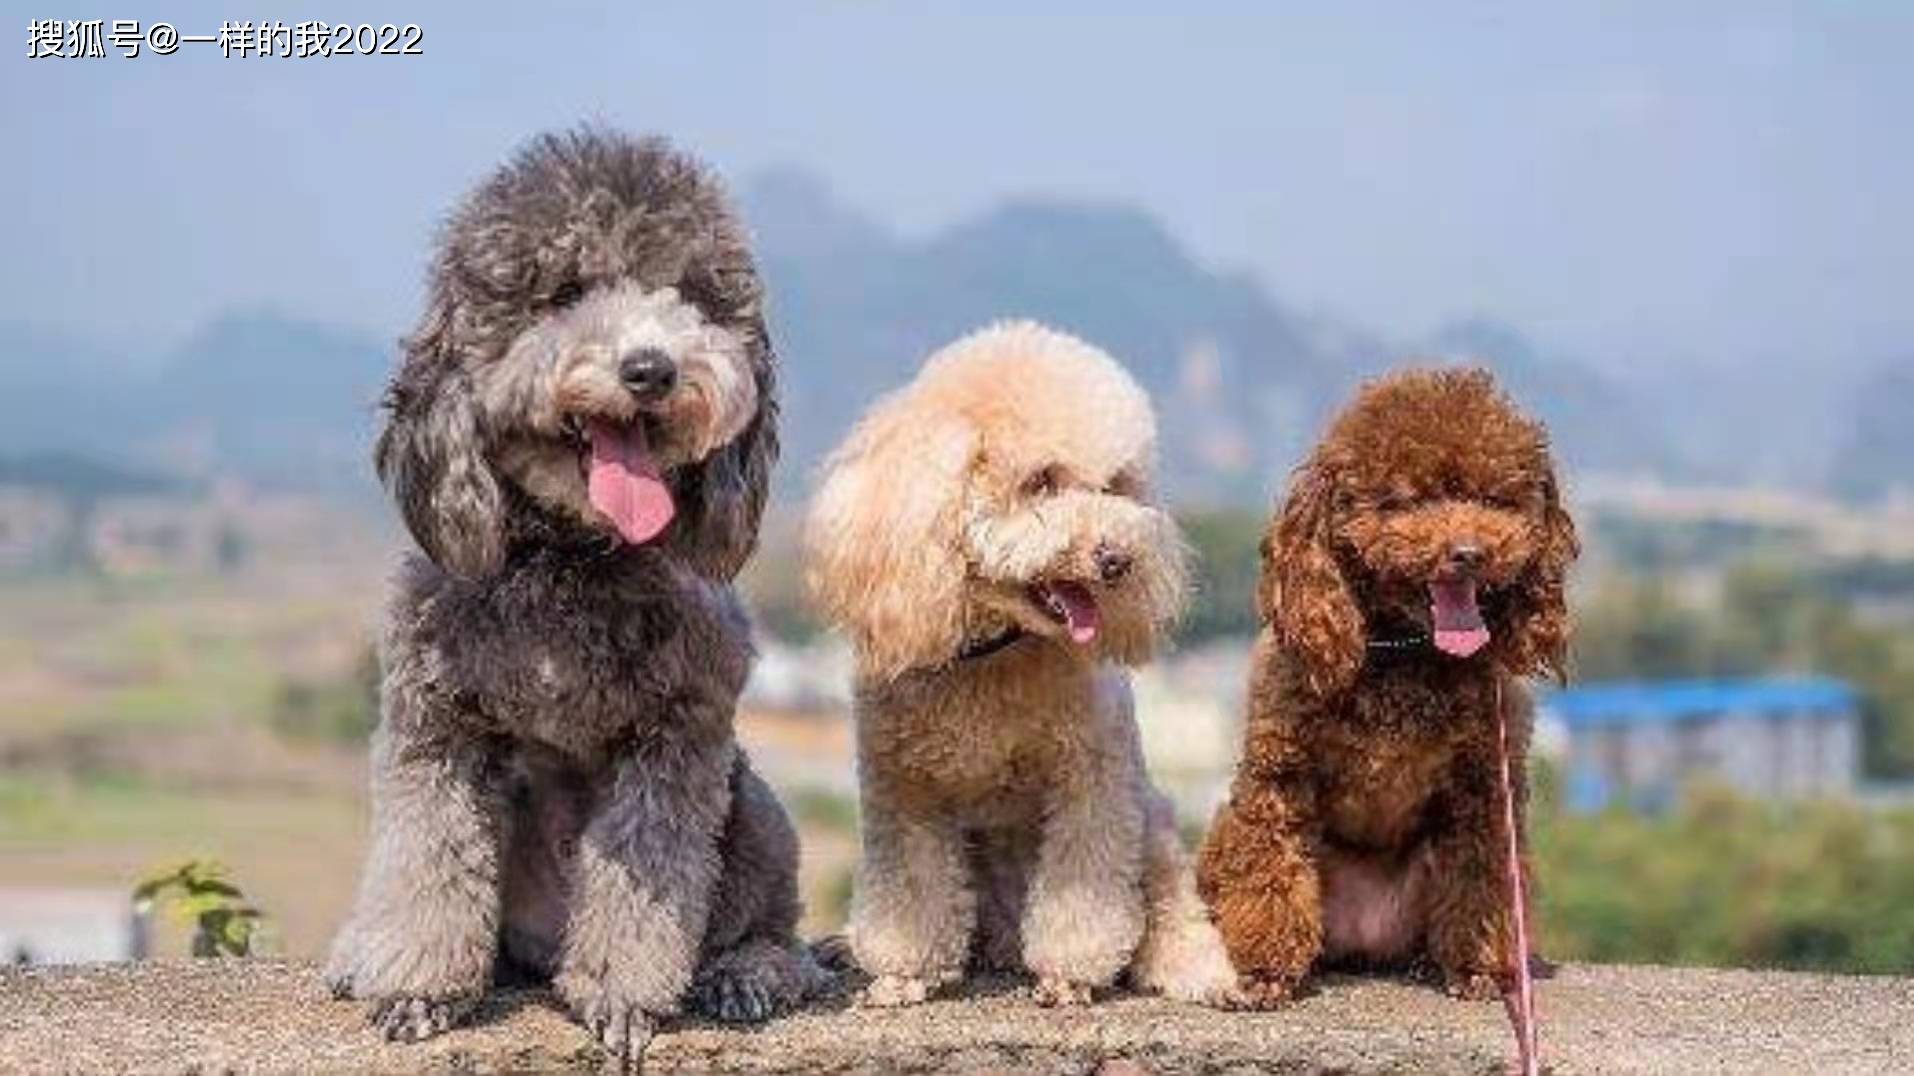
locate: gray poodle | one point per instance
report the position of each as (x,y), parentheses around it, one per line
(579,438)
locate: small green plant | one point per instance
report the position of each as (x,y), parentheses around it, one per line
(197,892)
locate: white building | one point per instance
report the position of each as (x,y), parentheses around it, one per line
(69,926)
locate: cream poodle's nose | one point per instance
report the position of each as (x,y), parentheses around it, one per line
(1112,563)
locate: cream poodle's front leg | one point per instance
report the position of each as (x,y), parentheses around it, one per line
(647,865)
(913,909)
(1084,915)
(1181,954)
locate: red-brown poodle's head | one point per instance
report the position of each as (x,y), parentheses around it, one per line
(1430,510)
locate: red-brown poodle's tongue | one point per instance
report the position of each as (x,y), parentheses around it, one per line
(625,483)
(1072,604)
(1459,630)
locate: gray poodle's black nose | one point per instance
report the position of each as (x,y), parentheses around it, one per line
(1112,564)
(1465,555)
(648,372)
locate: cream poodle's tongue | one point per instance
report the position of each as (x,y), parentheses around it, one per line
(1073,604)
(625,483)
(1459,630)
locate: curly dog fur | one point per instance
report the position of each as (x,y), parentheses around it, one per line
(579,438)
(1364,822)
(987,539)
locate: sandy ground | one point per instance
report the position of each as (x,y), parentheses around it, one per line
(259,1016)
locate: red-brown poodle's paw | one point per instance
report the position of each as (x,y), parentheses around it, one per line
(1258,994)
(1472,986)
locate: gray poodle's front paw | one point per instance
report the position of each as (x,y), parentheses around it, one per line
(620,1026)
(414,1018)
(734,999)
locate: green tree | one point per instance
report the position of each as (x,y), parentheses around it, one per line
(1726,881)
(1225,565)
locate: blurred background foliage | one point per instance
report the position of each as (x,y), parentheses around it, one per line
(1726,881)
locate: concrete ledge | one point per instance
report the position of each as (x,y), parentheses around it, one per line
(270,1016)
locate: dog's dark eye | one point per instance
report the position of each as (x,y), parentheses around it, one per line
(567,293)
(1041,483)
(1123,484)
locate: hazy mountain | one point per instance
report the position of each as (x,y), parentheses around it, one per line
(256,394)
(1242,383)
(855,311)
(294,400)
(1595,423)
(1877,454)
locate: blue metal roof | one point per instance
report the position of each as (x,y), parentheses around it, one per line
(1626,701)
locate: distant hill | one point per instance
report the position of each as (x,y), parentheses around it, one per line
(1877,456)
(855,311)
(1596,423)
(81,478)
(256,394)
(1242,382)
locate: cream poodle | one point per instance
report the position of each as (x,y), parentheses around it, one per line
(987,539)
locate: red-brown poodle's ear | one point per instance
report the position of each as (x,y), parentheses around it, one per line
(1539,613)
(1303,595)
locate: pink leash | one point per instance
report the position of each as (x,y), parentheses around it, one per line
(1520,1002)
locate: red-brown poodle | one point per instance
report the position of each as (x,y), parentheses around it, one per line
(1413,577)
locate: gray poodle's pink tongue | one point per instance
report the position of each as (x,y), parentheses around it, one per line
(1459,630)
(625,483)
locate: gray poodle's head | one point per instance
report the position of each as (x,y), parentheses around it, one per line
(592,366)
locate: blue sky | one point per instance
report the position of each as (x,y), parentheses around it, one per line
(1643,183)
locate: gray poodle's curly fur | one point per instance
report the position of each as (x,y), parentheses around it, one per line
(556,788)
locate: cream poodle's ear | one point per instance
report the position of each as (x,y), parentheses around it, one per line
(883,554)
(1303,595)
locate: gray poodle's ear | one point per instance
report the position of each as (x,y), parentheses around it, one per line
(430,456)
(883,558)
(717,528)
(1303,595)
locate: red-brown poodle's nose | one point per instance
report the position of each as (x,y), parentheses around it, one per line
(1112,564)
(1465,556)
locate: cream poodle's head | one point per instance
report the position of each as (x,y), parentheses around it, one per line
(1004,494)
(592,367)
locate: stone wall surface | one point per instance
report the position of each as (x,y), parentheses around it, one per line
(275,1017)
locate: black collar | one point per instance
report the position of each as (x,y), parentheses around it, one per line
(1406,642)
(990,644)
